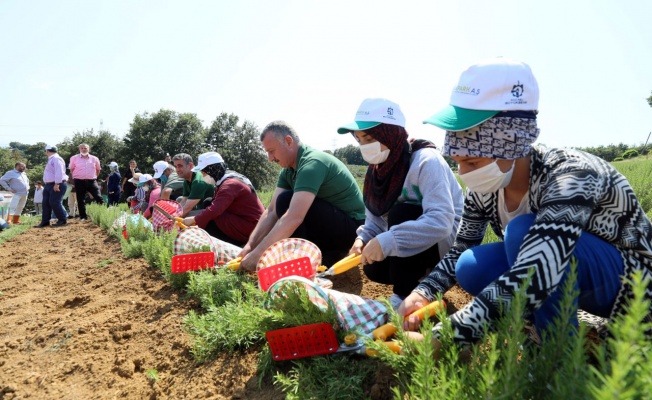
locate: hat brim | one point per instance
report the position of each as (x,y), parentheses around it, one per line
(197,168)
(454,118)
(356,126)
(157,175)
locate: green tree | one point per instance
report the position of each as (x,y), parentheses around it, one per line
(152,135)
(240,147)
(350,154)
(104,145)
(33,153)
(649,101)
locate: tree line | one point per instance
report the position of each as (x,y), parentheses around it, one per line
(150,137)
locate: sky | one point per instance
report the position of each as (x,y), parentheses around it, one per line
(68,66)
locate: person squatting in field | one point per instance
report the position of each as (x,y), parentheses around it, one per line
(316,199)
(548,206)
(413,200)
(235,207)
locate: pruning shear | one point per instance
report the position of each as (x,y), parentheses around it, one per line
(177,220)
(352,343)
(234,264)
(345,264)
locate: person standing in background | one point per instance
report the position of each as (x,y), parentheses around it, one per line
(17,182)
(128,188)
(113,184)
(71,196)
(84,168)
(38,198)
(54,177)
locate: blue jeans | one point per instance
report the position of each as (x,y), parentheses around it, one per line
(53,202)
(599,271)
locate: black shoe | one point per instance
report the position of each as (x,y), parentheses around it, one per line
(60,223)
(41,225)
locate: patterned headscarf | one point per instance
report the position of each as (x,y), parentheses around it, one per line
(508,135)
(383,182)
(220,172)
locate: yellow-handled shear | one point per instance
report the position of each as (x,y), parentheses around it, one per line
(345,264)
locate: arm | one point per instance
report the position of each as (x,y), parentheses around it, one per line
(284,227)
(264,225)
(4,182)
(188,205)
(223,198)
(431,183)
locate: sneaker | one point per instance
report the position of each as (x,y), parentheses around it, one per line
(395,300)
(41,225)
(82,219)
(60,223)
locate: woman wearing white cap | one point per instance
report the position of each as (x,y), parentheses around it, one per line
(113,184)
(147,192)
(235,208)
(412,198)
(548,205)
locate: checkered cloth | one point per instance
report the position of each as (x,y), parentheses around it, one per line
(193,238)
(290,249)
(120,223)
(354,312)
(159,220)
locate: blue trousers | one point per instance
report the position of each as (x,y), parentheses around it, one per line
(52,202)
(599,271)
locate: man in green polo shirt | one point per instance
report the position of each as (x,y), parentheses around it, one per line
(195,189)
(316,199)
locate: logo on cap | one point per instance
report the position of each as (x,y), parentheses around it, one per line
(517,90)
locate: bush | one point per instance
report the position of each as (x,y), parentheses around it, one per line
(631,153)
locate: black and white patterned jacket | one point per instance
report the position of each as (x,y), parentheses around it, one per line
(570,192)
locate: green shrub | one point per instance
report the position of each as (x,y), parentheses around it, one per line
(631,153)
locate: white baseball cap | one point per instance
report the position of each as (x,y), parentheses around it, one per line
(373,112)
(485,89)
(144,178)
(113,164)
(159,168)
(51,147)
(206,159)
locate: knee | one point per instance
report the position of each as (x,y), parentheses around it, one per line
(466,271)
(518,228)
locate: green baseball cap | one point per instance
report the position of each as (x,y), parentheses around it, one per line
(453,118)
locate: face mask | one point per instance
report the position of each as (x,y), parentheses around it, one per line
(208,179)
(372,153)
(487,179)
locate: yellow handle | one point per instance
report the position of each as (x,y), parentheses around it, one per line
(234,264)
(345,264)
(179,222)
(385,331)
(391,345)
(429,310)
(389,329)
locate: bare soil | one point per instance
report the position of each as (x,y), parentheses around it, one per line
(79,321)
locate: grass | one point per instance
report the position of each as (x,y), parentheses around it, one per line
(26,222)
(151,374)
(106,262)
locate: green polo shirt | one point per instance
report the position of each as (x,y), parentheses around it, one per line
(327,178)
(197,189)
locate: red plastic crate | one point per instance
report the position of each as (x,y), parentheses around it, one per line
(299,267)
(302,341)
(192,262)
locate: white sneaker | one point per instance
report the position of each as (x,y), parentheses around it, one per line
(395,300)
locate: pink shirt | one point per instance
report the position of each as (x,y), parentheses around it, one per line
(84,167)
(55,170)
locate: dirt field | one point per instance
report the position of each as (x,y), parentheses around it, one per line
(79,321)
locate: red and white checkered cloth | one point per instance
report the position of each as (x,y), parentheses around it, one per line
(160,221)
(193,238)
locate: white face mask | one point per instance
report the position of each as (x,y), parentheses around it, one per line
(487,179)
(372,153)
(208,179)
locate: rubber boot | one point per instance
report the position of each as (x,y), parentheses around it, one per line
(16,219)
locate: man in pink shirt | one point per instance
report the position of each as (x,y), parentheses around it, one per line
(84,168)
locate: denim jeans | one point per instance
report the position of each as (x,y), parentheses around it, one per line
(599,270)
(52,202)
